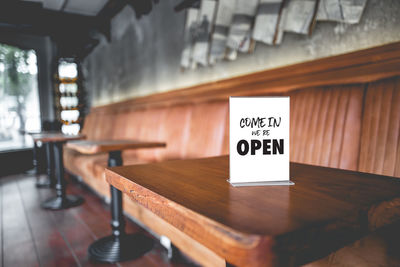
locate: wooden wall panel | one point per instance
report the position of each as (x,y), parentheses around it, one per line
(379,152)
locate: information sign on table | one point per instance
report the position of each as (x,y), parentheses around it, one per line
(259,140)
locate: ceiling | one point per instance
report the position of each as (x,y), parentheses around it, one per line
(81,7)
(75,26)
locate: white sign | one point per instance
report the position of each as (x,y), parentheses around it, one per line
(259,140)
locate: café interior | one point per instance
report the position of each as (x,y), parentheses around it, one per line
(115,132)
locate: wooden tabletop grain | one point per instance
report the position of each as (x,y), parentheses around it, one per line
(46,137)
(101,146)
(263,226)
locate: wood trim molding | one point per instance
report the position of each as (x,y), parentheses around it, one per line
(356,67)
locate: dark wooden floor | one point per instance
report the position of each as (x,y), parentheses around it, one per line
(31,236)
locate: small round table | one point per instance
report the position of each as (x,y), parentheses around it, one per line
(49,181)
(55,142)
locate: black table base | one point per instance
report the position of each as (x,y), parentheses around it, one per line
(119,246)
(41,182)
(59,203)
(116,249)
(62,200)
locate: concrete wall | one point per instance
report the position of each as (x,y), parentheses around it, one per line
(143,56)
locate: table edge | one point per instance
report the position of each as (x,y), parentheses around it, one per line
(254,246)
(250,247)
(90,150)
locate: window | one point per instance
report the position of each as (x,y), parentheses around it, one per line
(19,99)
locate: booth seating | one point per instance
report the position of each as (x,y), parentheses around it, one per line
(345,113)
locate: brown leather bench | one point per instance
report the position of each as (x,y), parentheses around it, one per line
(345,113)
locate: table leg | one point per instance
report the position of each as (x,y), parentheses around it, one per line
(47,182)
(62,200)
(35,160)
(119,246)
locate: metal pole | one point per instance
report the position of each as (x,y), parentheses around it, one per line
(62,200)
(59,169)
(35,160)
(49,158)
(48,182)
(117,219)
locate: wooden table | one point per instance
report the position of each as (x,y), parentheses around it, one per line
(263,226)
(119,246)
(55,141)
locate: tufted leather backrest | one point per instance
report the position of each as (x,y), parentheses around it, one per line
(352,127)
(380,139)
(325,126)
(150,131)
(121,123)
(206,131)
(97,133)
(133,124)
(89,126)
(174,130)
(109,120)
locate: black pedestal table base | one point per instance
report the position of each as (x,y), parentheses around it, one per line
(62,200)
(43,182)
(59,203)
(48,181)
(119,246)
(116,249)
